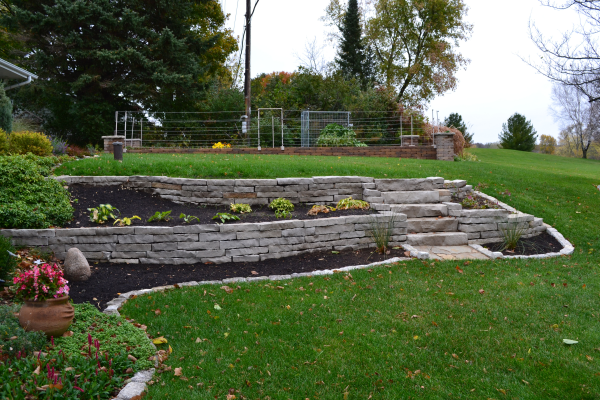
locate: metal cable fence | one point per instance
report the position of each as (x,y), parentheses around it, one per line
(273,127)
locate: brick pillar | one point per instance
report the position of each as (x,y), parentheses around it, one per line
(109,140)
(444,143)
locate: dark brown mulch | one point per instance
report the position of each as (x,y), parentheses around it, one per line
(473,202)
(132,202)
(108,280)
(541,244)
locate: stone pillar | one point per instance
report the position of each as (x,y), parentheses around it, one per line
(444,143)
(109,140)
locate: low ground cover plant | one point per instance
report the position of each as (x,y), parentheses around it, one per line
(240,208)
(283,207)
(91,361)
(160,216)
(28,200)
(226,217)
(103,213)
(351,204)
(125,221)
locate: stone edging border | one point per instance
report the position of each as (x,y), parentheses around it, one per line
(567,250)
(137,385)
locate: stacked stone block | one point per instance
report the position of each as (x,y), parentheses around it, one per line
(486,225)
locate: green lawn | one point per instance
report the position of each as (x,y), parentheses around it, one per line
(410,330)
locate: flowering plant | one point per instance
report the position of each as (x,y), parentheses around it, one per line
(41,282)
(220,145)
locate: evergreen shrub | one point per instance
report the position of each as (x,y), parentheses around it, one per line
(29,142)
(28,200)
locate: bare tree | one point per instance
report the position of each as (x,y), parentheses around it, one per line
(313,58)
(573,59)
(578,117)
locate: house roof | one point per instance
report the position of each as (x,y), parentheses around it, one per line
(11,71)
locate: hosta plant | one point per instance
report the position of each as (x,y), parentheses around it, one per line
(240,208)
(283,208)
(126,221)
(188,218)
(160,216)
(351,204)
(102,213)
(226,217)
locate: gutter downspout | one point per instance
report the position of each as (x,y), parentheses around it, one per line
(27,82)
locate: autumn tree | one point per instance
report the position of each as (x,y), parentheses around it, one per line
(95,57)
(547,144)
(518,134)
(572,109)
(455,120)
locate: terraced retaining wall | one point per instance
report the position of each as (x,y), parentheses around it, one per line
(210,243)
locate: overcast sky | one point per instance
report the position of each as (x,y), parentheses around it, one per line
(494,86)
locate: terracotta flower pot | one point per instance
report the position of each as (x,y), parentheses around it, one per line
(52,316)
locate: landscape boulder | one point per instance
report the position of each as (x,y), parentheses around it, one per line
(76,266)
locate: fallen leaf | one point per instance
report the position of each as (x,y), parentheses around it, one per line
(254,272)
(460,271)
(217,307)
(569,341)
(178,372)
(226,334)
(481,291)
(454,356)
(589,358)
(159,340)
(131,358)
(157,312)
(227,289)
(198,340)
(68,334)
(37,370)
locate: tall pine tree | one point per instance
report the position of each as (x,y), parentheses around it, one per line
(351,54)
(95,57)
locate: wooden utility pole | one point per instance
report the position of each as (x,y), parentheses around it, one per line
(248,79)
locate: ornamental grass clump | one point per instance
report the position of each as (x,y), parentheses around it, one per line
(40,283)
(381,230)
(511,232)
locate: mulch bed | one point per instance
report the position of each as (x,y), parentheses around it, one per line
(132,202)
(474,202)
(541,244)
(108,280)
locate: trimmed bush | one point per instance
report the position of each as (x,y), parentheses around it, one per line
(3,142)
(29,142)
(27,199)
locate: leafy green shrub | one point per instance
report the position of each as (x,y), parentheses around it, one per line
(102,213)
(14,339)
(27,199)
(8,263)
(3,142)
(29,142)
(225,217)
(335,135)
(283,208)
(160,216)
(240,208)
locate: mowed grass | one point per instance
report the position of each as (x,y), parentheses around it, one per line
(408,330)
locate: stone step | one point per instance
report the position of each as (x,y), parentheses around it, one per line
(438,239)
(420,210)
(412,197)
(425,225)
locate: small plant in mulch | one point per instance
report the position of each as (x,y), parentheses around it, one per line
(226,217)
(472,202)
(126,221)
(351,204)
(240,208)
(512,233)
(102,213)
(315,210)
(160,216)
(188,219)
(283,207)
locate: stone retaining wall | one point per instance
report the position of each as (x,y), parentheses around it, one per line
(482,226)
(210,243)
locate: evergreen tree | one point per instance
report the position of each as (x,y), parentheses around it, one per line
(455,120)
(95,57)
(5,111)
(518,134)
(351,54)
